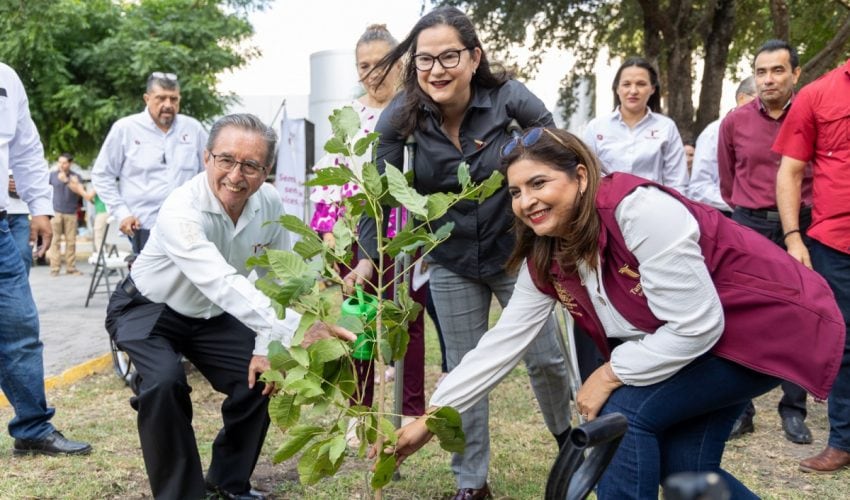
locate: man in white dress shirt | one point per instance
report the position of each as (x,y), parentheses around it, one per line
(705,181)
(146,156)
(21,361)
(189,294)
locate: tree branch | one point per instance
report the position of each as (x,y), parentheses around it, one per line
(825,60)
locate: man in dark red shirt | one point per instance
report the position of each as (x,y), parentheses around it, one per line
(747,170)
(818,130)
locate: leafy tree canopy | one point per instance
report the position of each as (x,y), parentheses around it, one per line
(84,63)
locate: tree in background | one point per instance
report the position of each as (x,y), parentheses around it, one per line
(85,62)
(673,34)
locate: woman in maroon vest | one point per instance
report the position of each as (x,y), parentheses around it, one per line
(695,313)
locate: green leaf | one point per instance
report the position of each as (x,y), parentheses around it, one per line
(294,374)
(406,195)
(398,338)
(345,123)
(362,144)
(463,175)
(326,350)
(308,249)
(407,241)
(443,232)
(337,448)
(299,436)
(491,185)
(372,180)
(306,388)
(283,411)
(286,265)
(343,237)
(335,146)
(300,355)
(296,225)
(438,204)
(261,261)
(352,323)
(331,176)
(272,377)
(445,423)
(384,469)
(388,431)
(307,320)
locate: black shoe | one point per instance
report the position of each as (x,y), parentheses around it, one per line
(796,430)
(54,444)
(215,493)
(743,425)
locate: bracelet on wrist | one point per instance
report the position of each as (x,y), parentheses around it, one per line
(789,233)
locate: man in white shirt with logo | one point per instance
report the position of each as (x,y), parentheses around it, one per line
(189,294)
(146,156)
(21,360)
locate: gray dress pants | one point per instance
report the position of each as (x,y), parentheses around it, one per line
(463,308)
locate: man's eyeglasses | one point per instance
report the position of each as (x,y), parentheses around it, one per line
(171,77)
(528,139)
(448,59)
(249,168)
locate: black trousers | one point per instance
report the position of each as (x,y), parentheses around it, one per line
(156,338)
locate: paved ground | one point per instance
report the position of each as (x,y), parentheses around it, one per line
(71,333)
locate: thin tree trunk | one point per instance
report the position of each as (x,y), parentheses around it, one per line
(717,41)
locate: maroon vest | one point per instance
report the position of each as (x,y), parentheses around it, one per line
(781,318)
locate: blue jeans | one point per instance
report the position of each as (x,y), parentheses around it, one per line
(19,224)
(679,425)
(21,363)
(835,267)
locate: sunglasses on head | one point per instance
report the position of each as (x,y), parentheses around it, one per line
(164,76)
(529,138)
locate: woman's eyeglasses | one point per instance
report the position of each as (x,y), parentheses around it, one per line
(528,139)
(448,59)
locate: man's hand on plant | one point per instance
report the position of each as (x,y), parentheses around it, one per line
(361,273)
(411,437)
(321,330)
(258,365)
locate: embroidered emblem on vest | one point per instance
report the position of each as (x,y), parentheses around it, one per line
(631,273)
(567,299)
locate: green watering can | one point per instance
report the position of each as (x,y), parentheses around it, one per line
(365,307)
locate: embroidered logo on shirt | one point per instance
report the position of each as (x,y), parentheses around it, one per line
(184,138)
(653,134)
(567,299)
(259,247)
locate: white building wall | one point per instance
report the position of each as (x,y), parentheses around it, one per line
(333,83)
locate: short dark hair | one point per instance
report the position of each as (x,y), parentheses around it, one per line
(67,156)
(251,123)
(655,99)
(774,45)
(163,81)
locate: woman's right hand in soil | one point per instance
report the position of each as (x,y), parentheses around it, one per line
(361,273)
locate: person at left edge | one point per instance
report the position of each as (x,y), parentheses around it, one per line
(21,361)
(190,294)
(146,156)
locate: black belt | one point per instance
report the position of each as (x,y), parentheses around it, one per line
(770,214)
(2,215)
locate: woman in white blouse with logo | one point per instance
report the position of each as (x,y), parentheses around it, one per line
(636,138)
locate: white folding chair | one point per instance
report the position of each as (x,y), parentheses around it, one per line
(109,261)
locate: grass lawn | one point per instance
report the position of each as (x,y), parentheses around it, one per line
(97,410)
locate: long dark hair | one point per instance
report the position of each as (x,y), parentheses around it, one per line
(416,101)
(655,99)
(562,151)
